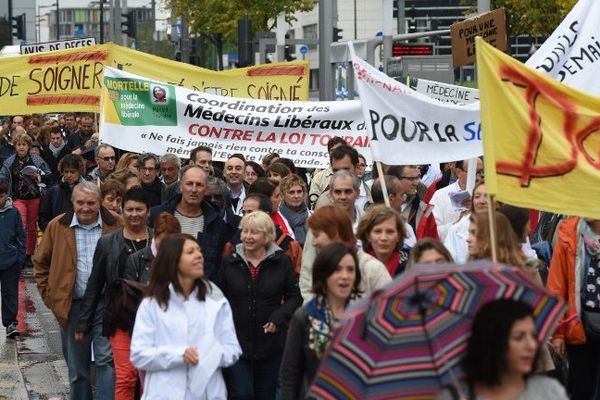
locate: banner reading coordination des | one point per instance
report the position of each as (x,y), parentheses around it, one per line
(142,115)
(71,79)
(407,127)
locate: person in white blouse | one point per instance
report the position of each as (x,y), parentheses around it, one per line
(456,239)
(443,210)
(183,335)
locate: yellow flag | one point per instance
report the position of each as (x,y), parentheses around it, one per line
(541,138)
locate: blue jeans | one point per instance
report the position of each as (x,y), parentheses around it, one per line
(253,379)
(79,358)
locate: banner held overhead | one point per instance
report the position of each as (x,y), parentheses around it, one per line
(407,127)
(140,114)
(71,80)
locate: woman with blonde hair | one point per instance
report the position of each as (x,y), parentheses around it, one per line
(259,281)
(456,238)
(508,248)
(382,233)
(128,161)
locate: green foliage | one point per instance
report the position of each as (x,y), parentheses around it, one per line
(530,17)
(535,17)
(220,16)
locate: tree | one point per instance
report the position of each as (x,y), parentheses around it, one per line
(534,17)
(216,20)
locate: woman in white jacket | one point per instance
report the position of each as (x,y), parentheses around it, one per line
(182,336)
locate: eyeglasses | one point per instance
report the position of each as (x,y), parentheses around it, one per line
(411,178)
(107,159)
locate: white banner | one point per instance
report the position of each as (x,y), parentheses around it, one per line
(31,48)
(572,53)
(446,92)
(141,115)
(407,127)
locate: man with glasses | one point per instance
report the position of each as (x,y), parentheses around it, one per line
(105,160)
(417,213)
(148,164)
(445,214)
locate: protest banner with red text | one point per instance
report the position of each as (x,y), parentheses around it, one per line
(139,114)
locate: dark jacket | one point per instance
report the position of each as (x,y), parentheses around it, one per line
(52,161)
(12,237)
(212,240)
(109,264)
(6,149)
(272,297)
(6,171)
(75,140)
(299,363)
(56,201)
(154,192)
(137,266)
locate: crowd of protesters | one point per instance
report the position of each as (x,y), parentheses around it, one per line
(248,266)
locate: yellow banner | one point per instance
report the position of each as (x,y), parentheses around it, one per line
(71,80)
(541,138)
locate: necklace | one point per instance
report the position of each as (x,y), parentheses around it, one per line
(138,240)
(135,248)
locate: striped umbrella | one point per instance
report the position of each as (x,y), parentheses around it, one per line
(407,341)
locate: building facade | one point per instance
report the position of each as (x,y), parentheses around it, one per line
(363,19)
(85,22)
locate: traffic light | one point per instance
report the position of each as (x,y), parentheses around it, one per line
(412,21)
(337,34)
(18,26)
(289,50)
(129,25)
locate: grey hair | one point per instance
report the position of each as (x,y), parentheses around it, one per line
(100,147)
(87,187)
(146,157)
(344,173)
(165,158)
(219,184)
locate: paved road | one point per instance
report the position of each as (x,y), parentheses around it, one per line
(32,366)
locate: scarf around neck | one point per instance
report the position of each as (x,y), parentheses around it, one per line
(56,150)
(320,325)
(297,221)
